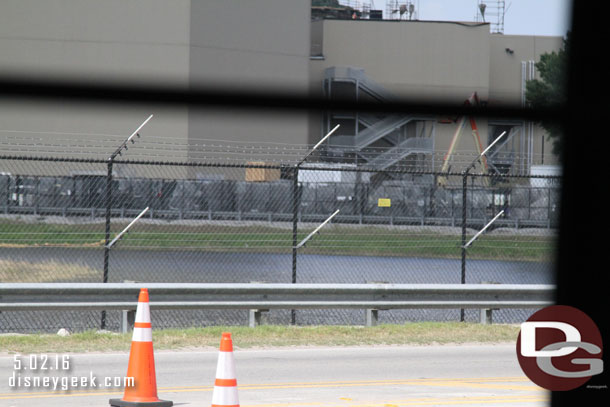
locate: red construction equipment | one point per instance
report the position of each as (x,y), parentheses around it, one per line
(473,100)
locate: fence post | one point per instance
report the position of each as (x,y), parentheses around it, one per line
(118,151)
(548,208)
(107,230)
(360,200)
(295,214)
(37,195)
(295,210)
(529,203)
(464,189)
(8,194)
(181,203)
(464,199)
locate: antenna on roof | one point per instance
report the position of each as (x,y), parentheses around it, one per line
(494,10)
(482,7)
(400,8)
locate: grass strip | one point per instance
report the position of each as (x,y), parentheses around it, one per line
(363,241)
(269,336)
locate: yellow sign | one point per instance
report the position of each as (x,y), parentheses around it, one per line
(384,202)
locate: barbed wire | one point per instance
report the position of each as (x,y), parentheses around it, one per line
(247,154)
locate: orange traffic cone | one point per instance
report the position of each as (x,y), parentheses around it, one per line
(141,363)
(225,387)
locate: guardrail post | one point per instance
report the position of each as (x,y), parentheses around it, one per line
(255,315)
(486,316)
(128,318)
(372,317)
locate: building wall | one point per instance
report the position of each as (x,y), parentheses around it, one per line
(91,39)
(262,46)
(422,60)
(509,55)
(507,52)
(135,41)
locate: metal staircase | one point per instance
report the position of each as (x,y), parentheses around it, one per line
(415,145)
(353,74)
(388,135)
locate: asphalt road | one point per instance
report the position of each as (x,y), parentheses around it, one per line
(396,376)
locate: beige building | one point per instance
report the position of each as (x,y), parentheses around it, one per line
(428,61)
(137,41)
(260,45)
(184,43)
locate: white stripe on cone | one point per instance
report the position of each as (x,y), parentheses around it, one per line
(226,366)
(142,316)
(142,335)
(143,312)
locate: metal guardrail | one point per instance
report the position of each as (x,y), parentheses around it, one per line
(258,297)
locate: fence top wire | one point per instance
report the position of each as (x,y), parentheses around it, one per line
(318,167)
(249,155)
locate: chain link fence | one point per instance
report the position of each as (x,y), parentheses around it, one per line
(230,223)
